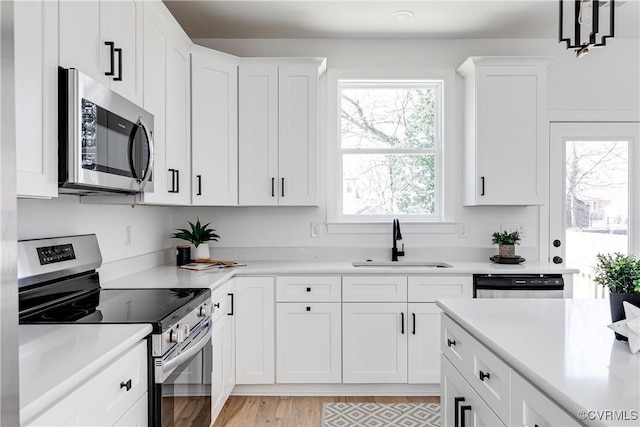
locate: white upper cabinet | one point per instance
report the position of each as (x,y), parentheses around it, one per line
(214,128)
(505,130)
(167,97)
(103,39)
(36,70)
(278,131)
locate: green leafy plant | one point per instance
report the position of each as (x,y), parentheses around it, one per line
(198,234)
(505,238)
(618,272)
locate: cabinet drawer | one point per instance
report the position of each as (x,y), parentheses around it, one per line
(491,378)
(428,288)
(529,407)
(374,289)
(308,289)
(456,345)
(112,390)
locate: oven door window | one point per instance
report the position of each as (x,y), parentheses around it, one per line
(186,393)
(112,144)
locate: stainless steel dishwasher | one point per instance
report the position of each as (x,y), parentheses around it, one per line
(518,286)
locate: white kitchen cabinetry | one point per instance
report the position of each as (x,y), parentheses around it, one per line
(36,68)
(86,30)
(308,330)
(222,340)
(214,128)
(505,130)
(167,97)
(278,131)
(255,330)
(104,400)
(494,392)
(395,342)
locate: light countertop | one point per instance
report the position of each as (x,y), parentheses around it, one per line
(170,276)
(562,346)
(57,359)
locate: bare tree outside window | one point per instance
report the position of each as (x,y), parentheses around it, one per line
(390,142)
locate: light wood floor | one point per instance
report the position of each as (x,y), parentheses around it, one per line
(297,411)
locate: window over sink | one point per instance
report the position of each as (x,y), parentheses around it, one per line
(390,137)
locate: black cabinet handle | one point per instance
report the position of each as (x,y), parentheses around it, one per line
(483,375)
(273,187)
(126,385)
(173,181)
(216,305)
(119,52)
(413,316)
(456,417)
(308,308)
(309,289)
(482,182)
(402,323)
(199,177)
(177,180)
(450,343)
(231,314)
(282,194)
(463,409)
(112,68)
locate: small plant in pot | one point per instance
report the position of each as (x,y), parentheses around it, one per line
(506,242)
(197,235)
(620,273)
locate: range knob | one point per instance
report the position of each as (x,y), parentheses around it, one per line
(206,310)
(180,333)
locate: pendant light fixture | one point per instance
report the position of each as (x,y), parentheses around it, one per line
(586,23)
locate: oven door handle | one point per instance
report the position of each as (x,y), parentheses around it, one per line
(170,366)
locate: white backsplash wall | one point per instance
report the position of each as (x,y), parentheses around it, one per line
(65,215)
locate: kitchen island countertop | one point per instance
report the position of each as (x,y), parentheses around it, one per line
(564,348)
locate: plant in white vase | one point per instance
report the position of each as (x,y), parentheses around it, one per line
(197,235)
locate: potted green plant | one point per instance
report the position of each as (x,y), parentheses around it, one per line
(197,235)
(506,242)
(620,273)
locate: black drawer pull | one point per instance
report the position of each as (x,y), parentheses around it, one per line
(216,305)
(483,375)
(118,51)
(450,343)
(456,414)
(402,323)
(308,289)
(126,385)
(112,68)
(308,308)
(231,313)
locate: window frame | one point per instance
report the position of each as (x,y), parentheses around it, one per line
(440,223)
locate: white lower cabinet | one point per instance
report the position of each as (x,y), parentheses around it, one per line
(308,342)
(255,330)
(461,405)
(116,392)
(424,355)
(374,342)
(223,346)
(480,389)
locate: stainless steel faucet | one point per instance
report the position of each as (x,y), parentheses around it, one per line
(397,235)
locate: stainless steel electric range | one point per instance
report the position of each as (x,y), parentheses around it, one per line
(58,283)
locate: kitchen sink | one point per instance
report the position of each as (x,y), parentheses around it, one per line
(426,264)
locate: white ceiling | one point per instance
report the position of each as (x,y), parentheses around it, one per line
(372,19)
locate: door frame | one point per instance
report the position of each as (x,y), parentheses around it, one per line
(563,129)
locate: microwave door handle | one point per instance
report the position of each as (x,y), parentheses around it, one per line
(147,175)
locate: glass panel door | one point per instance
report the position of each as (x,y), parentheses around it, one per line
(593,207)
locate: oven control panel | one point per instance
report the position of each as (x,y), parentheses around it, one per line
(53,254)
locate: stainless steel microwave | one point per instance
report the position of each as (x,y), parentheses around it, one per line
(105,141)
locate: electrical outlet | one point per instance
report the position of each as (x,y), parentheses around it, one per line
(127,234)
(315,229)
(463,231)
(510,227)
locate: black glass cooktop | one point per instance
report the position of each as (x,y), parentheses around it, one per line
(159,307)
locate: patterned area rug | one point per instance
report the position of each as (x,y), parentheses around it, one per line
(380,415)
